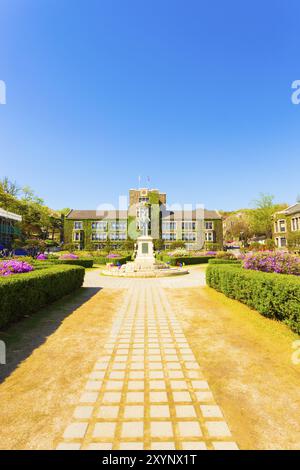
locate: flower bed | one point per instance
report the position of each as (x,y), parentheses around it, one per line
(9,267)
(271,262)
(273,295)
(67,256)
(113,256)
(24,294)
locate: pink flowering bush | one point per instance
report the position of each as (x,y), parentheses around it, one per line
(69,256)
(113,255)
(10,267)
(271,262)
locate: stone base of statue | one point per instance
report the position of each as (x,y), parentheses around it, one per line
(145,253)
(144,264)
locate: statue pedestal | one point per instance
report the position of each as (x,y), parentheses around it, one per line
(145,254)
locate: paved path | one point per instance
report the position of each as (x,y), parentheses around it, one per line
(147,391)
(195,278)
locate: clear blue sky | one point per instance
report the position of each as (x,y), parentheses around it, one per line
(196,94)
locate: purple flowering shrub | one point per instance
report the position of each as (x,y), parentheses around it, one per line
(271,262)
(68,256)
(41,256)
(113,255)
(14,267)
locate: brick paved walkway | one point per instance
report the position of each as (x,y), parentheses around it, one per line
(148,391)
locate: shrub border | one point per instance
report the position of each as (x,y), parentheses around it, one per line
(273,295)
(23,294)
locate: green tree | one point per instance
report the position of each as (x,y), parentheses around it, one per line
(177,244)
(237,225)
(158,244)
(9,187)
(261,218)
(28,193)
(107,246)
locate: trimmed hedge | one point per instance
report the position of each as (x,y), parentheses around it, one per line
(115,261)
(224,261)
(22,294)
(174,260)
(84,262)
(273,295)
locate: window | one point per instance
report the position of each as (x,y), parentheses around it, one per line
(169,236)
(189,236)
(119,226)
(78,225)
(283,241)
(167,226)
(188,225)
(209,236)
(117,236)
(282,225)
(99,225)
(209,225)
(98,236)
(143,199)
(295,224)
(77,236)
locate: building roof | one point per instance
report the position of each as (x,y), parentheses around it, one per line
(75,214)
(116,214)
(291,210)
(10,215)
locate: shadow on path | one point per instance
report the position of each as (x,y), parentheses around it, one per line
(23,337)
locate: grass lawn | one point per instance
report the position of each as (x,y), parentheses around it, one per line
(49,357)
(247,360)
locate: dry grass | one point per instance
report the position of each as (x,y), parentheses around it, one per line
(38,398)
(247,360)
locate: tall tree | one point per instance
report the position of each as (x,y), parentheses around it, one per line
(261,218)
(10,187)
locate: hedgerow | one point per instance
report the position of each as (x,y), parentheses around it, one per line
(23,294)
(176,260)
(86,263)
(115,261)
(273,295)
(224,261)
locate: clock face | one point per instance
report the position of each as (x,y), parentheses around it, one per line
(144,192)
